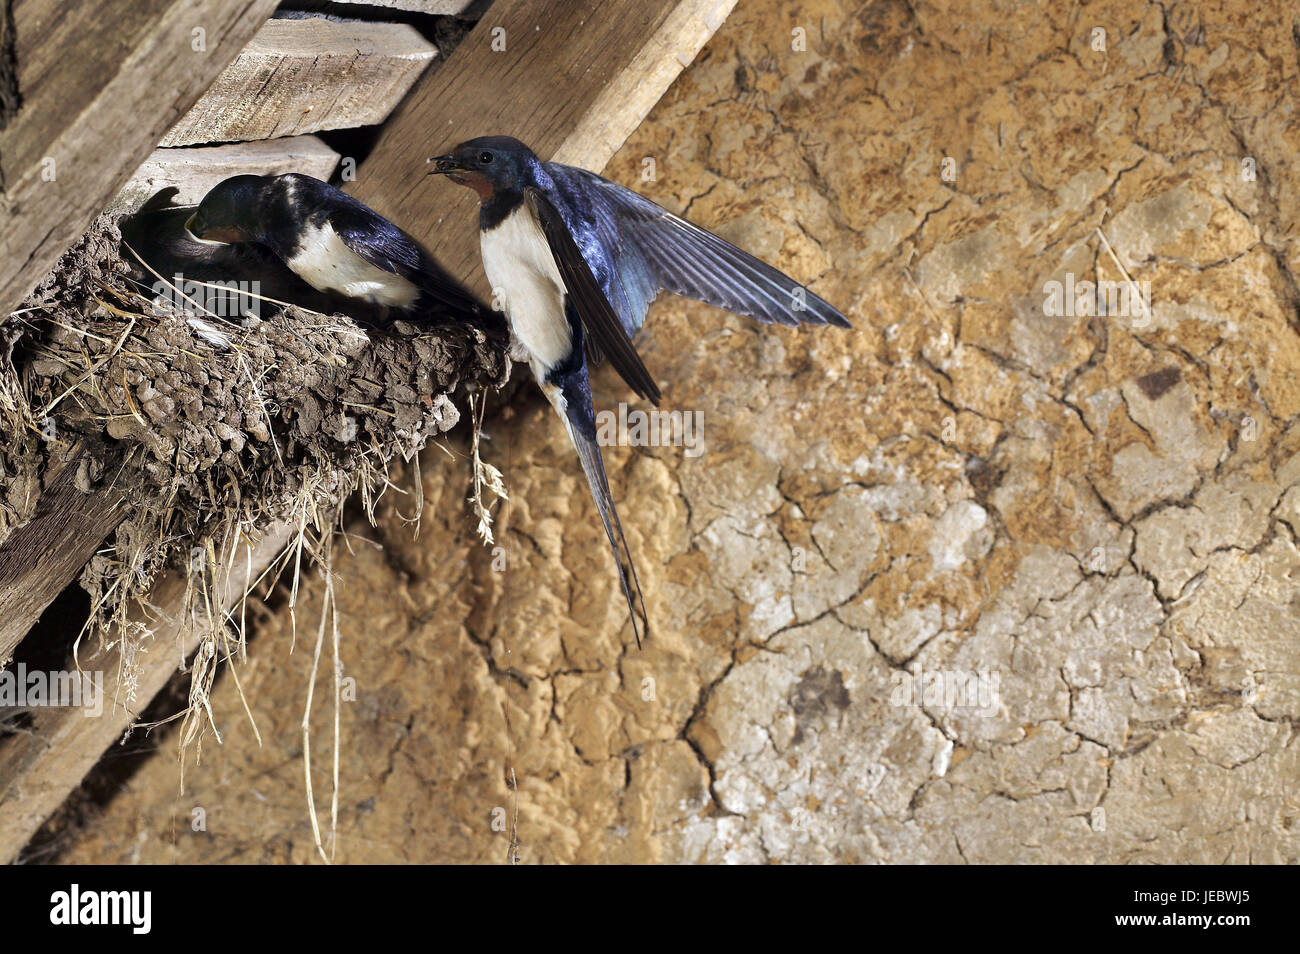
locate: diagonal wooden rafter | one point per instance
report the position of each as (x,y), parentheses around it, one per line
(40,766)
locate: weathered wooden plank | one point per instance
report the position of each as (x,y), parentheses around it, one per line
(39,767)
(8,65)
(95,100)
(303,75)
(196,169)
(438,7)
(574,79)
(45,554)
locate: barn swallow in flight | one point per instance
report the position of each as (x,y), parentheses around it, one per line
(334,243)
(576,260)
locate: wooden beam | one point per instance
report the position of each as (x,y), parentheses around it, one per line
(197,169)
(300,76)
(438,7)
(42,556)
(573,81)
(40,766)
(95,99)
(8,65)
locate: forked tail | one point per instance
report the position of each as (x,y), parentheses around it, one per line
(594,467)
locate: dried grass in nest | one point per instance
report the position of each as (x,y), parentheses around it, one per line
(211,445)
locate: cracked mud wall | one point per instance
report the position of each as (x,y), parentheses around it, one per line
(1084,525)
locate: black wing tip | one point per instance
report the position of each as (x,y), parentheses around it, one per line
(835,318)
(651,392)
(639,380)
(818,311)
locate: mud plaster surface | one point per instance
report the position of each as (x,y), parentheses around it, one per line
(1102,514)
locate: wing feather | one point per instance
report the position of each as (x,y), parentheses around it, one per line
(656,250)
(385,246)
(590,300)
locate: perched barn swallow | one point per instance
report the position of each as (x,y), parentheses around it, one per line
(576,260)
(160,247)
(235,282)
(332,242)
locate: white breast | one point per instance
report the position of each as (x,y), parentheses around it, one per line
(526,282)
(326,263)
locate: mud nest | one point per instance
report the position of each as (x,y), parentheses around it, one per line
(206,443)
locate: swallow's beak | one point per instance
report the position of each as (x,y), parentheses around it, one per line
(443,165)
(193,228)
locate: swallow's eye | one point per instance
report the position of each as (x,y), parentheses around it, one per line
(485,157)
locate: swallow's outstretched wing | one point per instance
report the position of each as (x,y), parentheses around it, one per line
(655,250)
(603,327)
(384,245)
